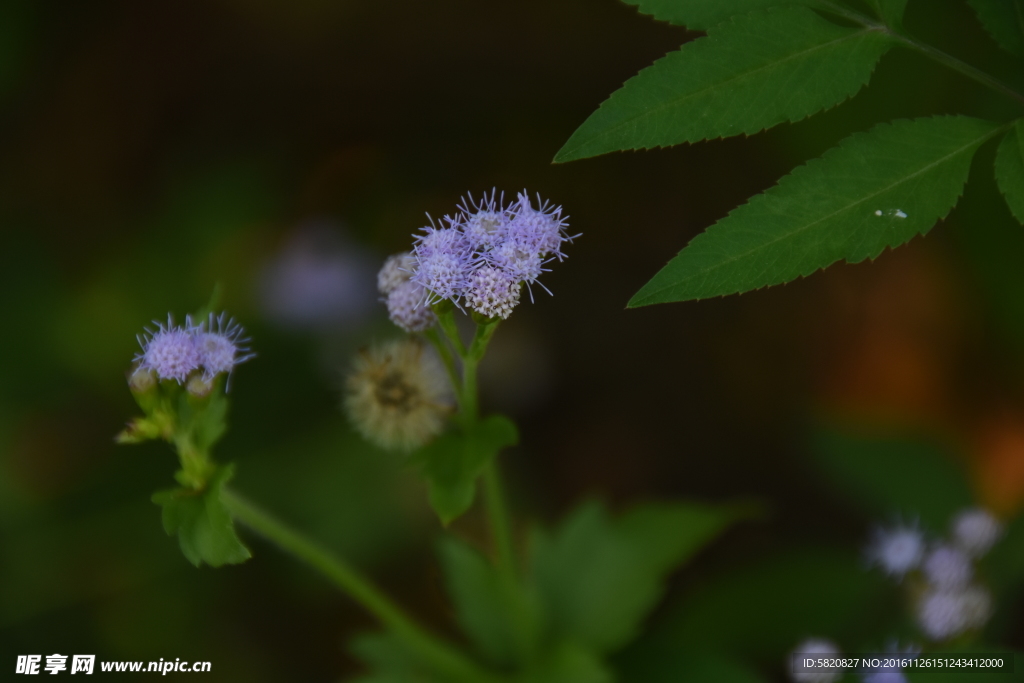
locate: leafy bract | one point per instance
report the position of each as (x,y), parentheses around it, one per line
(503,619)
(598,577)
(889,475)
(1010,169)
(752,73)
(874,190)
(1004,21)
(202,522)
(890,11)
(452,463)
(700,15)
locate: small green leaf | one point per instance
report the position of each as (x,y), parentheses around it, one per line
(752,73)
(203,524)
(1004,21)
(875,190)
(452,463)
(700,15)
(501,618)
(888,475)
(626,561)
(1010,169)
(890,11)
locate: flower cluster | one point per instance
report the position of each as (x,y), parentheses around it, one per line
(480,259)
(950,601)
(174,352)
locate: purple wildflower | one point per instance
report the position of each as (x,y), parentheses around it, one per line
(170,351)
(408,308)
(396,270)
(542,231)
(221,344)
(443,262)
(897,550)
(487,224)
(492,292)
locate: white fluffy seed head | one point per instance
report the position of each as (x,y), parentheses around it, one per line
(398,395)
(975,531)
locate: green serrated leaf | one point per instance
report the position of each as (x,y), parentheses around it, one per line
(749,74)
(452,463)
(890,11)
(203,524)
(1010,170)
(874,190)
(1004,21)
(626,560)
(875,471)
(502,619)
(700,15)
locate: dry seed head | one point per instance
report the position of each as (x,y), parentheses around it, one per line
(397,395)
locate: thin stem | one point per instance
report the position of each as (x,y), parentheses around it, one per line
(446,318)
(925,49)
(440,655)
(497,514)
(446,356)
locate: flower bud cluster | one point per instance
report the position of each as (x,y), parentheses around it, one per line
(174,352)
(480,259)
(949,601)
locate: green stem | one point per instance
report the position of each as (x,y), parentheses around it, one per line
(440,655)
(925,49)
(446,319)
(497,514)
(446,356)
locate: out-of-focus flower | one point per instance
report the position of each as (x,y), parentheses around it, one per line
(222,345)
(318,281)
(946,613)
(975,531)
(813,648)
(947,567)
(397,395)
(897,550)
(170,351)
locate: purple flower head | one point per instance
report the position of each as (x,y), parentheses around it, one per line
(396,270)
(407,307)
(443,262)
(897,550)
(520,260)
(222,345)
(540,230)
(170,351)
(492,292)
(486,223)
(947,567)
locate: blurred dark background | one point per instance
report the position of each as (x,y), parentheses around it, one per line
(149,151)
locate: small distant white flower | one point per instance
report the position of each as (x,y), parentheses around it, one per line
(897,550)
(814,648)
(946,613)
(975,531)
(947,567)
